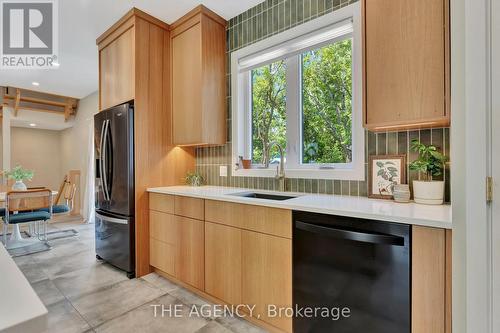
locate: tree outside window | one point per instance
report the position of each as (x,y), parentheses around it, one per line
(326,104)
(268,110)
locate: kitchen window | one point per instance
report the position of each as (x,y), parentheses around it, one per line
(301,90)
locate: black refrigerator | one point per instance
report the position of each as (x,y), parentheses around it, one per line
(115,204)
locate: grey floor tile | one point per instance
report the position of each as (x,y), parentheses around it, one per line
(56,266)
(33,272)
(142,319)
(88,280)
(64,318)
(113,301)
(47,292)
(160,282)
(187,297)
(213,327)
(239,325)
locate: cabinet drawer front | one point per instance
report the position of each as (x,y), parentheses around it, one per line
(161,202)
(162,256)
(273,221)
(162,227)
(190,207)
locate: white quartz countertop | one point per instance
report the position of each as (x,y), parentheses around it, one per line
(360,207)
(20,308)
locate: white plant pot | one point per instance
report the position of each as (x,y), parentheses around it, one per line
(428,192)
(19,186)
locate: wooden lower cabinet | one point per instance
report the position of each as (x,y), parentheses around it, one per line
(267,275)
(431,280)
(177,247)
(231,264)
(223,262)
(191,257)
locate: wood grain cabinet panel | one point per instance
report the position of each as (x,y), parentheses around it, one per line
(163,256)
(407,64)
(223,262)
(429,280)
(267,275)
(161,202)
(273,221)
(190,263)
(116,70)
(198,79)
(190,207)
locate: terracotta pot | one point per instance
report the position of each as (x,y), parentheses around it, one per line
(247,164)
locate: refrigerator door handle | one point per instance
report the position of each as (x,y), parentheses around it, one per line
(111,219)
(101,150)
(104,175)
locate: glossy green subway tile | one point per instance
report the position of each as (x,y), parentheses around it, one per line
(403,142)
(392,143)
(381,143)
(337,187)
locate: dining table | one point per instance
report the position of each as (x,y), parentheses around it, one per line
(16,239)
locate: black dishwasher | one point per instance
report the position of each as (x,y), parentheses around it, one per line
(350,275)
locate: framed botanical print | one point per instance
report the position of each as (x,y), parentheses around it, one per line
(385,171)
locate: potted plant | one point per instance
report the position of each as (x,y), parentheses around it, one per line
(194,179)
(430,163)
(19,175)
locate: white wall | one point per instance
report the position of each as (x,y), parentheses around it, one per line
(38,150)
(74,141)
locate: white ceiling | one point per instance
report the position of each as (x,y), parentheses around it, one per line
(42,120)
(82,21)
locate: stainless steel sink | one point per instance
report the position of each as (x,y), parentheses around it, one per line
(265,196)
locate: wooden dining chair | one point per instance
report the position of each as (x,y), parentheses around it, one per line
(26,207)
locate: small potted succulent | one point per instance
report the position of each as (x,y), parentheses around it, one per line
(194,179)
(430,163)
(19,175)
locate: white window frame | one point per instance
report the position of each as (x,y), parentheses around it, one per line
(241,102)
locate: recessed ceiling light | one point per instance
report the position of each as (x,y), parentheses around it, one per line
(33,125)
(36,84)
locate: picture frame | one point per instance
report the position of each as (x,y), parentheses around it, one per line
(385,171)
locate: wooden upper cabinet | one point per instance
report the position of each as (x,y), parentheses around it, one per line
(116,63)
(407,64)
(198,48)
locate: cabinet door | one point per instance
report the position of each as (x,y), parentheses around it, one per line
(186,86)
(429,280)
(163,241)
(267,275)
(223,262)
(190,263)
(406,59)
(116,71)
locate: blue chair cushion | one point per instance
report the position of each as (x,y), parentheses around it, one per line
(57,209)
(28,217)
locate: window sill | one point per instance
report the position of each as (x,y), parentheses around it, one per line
(338,174)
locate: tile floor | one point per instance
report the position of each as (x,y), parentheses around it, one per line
(83,294)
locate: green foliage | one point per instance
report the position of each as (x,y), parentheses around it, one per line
(194,179)
(19,174)
(326,103)
(326,106)
(430,162)
(268,110)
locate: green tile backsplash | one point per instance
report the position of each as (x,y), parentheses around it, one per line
(266,19)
